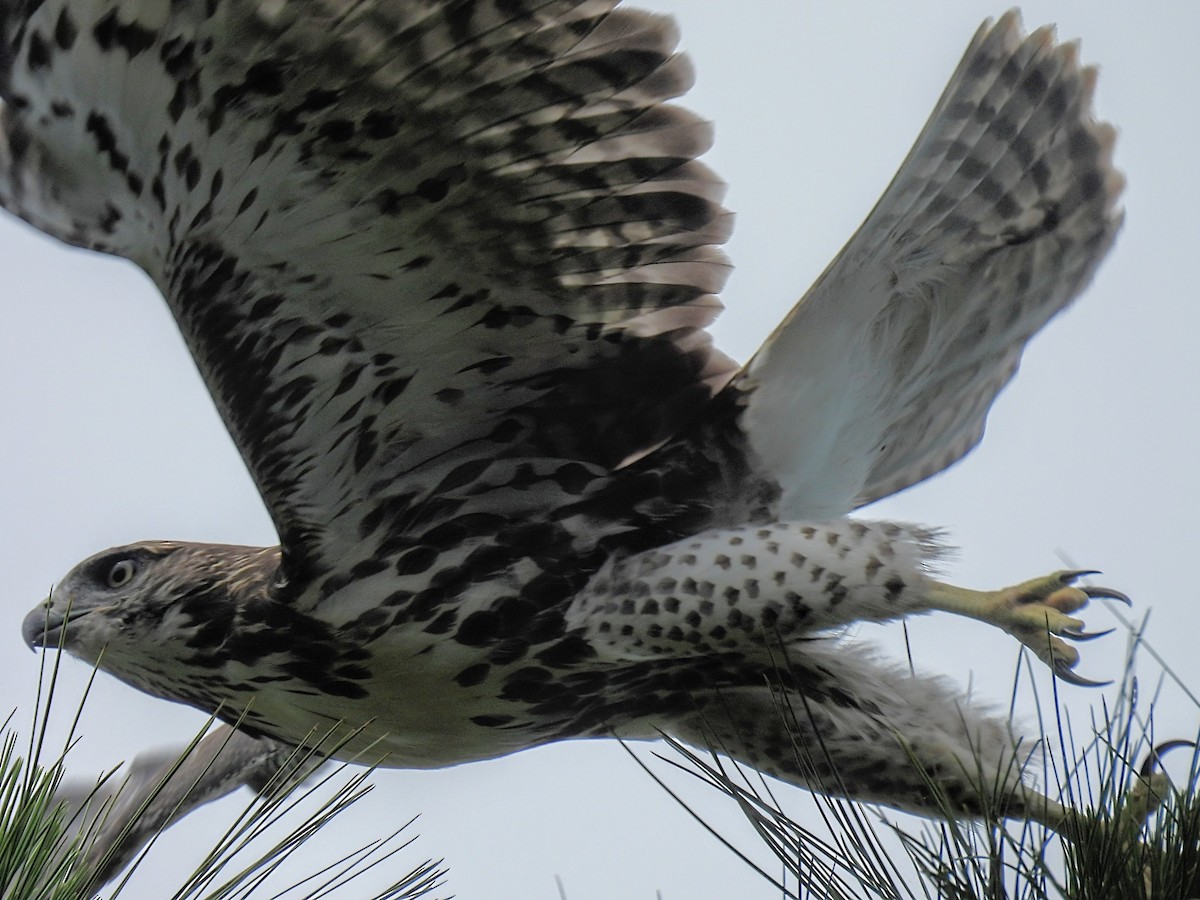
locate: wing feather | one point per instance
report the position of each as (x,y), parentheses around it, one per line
(408,241)
(399,238)
(884,373)
(117,818)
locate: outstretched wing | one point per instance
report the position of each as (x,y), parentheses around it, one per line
(884,373)
(120,816)
(422,252)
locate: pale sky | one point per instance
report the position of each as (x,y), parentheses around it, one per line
(110,437)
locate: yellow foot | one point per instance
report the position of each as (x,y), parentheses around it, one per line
(1153,787)
(1134,808)
(1035,612)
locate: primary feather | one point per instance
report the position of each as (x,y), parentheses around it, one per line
(445,268)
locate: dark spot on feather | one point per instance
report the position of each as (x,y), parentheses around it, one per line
(1007,208)
(433,189)
(973,169)
(574,478)
(132,38)
(264,307)
(489,366)
(1081,144)
(178,57)
(202,217)
(529,684)
(106,141)
(397,598)
(507,431)
(387,201)
(365,446)
(336,130)
(335,583)
(265,78)
(507,652)
(417,560)
(378,126)
(368,567)
(443,623)
(191,174)
(478,629)
(185,95)
(317,99)
(39,52)
(463,474)
(1091,186)
(1057,101)
(371,619)
(989,189)
(1040,173)
(473,675)
(496,317)
(108,222)
(571,650)
(492,721)
(1023,148)
(1034,85)
(65,31)
(457,531)
(390,390)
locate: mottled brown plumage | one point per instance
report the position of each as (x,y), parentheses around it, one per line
(445,269)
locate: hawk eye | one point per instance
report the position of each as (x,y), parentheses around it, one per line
(121,573)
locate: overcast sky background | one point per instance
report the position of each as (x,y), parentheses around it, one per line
(110,437)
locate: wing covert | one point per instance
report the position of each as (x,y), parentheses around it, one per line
(445,242)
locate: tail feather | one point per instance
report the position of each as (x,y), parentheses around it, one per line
(845,724)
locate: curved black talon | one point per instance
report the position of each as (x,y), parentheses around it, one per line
(1072,575)
(1155,756)
(1072,634)
(1064,673)
(1103,593)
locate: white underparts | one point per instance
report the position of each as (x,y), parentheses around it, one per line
(735,587)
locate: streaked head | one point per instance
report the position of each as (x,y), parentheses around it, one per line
(144,611)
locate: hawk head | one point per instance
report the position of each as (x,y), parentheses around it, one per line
(148,612)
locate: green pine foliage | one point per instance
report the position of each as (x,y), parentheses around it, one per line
(46,853)
(38,860)
(1121,852)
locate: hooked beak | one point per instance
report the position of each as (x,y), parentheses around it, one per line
(43,627)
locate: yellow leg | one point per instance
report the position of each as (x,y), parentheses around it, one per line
(1035,612)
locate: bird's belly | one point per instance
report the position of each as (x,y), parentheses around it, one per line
(412,716)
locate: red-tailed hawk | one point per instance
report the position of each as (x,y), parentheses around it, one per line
(446,269)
